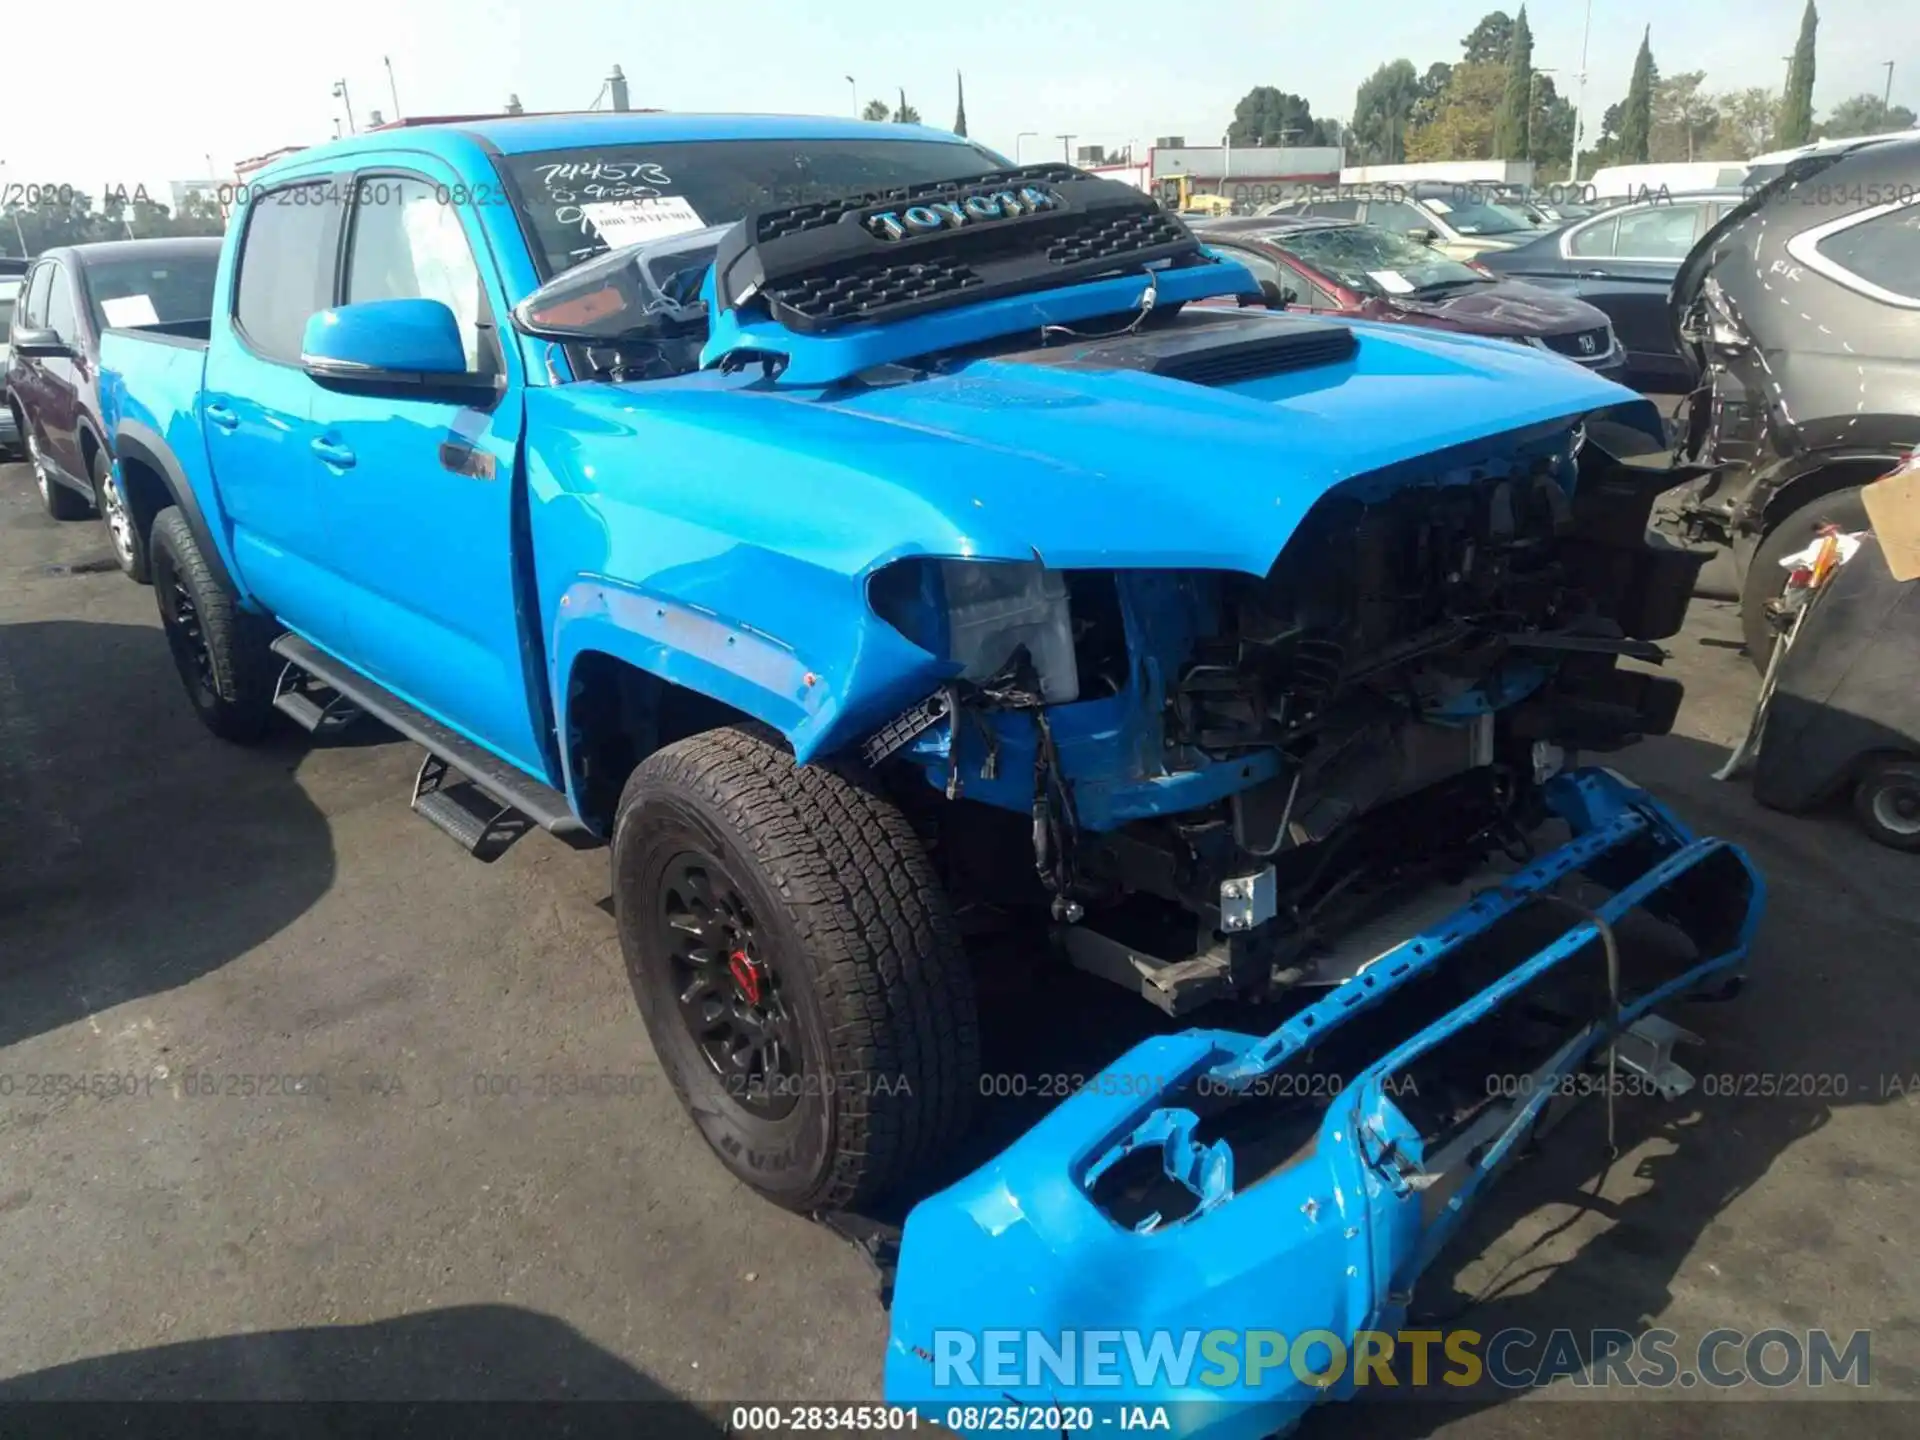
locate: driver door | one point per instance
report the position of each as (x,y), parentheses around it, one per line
(420,486)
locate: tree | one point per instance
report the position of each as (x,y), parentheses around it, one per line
(876,110)
(905,114)
(1606,144)
(1746,123)
(1383,109)
(1266,116)
(1864,115)
(1433,85)
(1462,125)
(1511,121)
(960,109)
(1796,109)
(1550,130)
(1636,115)
(1685,118)
(65,215)
(1491,41)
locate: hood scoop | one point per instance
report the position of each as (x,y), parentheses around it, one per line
(1218,349)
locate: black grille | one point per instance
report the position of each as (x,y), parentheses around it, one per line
(871,287)
(1101,237)
(778,224)
(1580,344)
(1276,356)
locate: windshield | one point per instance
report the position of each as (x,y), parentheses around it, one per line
(9,291)
(576,203)
(1375,262)
(151,292)
(1476,217)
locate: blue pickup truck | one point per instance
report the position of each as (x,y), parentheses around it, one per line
(856,532)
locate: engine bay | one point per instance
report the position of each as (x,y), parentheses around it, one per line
(1226,782)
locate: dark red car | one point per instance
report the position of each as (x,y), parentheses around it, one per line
(1344,268)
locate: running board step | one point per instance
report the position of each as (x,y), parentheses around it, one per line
(472,795)
(311,703)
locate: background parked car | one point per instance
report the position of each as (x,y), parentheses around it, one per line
(1460,220)
(1374,274)
(1623,260)
(71,295)
(1801,403)
(10,279)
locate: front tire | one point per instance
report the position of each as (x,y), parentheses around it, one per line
(797,967)
(1766,580)
(1886,802)
(219,649)
(129,545)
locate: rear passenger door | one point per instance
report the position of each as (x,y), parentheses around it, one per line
(419,486)
(1631,259)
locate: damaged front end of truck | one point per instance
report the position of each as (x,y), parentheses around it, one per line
(1253,655)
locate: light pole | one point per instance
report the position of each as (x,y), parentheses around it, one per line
(1580,98)
(1226,160)
(1020,139)
(1886,100)
(854,90)
(392,89)
(340,94)
(1066,147)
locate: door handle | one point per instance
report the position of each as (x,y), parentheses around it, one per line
(223,417)
(1595,275)
(333,454)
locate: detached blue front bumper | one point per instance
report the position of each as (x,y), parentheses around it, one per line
(1019,1286)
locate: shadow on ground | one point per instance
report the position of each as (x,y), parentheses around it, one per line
(136,851)
(466,1370)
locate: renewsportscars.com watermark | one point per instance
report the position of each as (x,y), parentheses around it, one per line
(1511,1359)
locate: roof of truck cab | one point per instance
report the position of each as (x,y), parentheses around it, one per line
(530,134)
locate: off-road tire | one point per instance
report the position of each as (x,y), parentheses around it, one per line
(130,554)
(859,937)
(231,684)
(1884,801)
(1765,579)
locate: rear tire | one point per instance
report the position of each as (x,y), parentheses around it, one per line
(59,502)
(797,967)
(123,530)
(1886,802)
(220,650)
(1766,580)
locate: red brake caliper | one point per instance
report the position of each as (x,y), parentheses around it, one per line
(746,975)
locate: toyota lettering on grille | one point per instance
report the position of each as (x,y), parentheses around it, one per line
(938,215)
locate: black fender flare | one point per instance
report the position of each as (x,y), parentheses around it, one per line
(134,441)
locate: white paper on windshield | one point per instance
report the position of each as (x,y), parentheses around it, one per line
(1391,281)
(1438,207)
(130,310)
(652,217)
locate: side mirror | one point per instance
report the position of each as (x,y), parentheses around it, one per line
(41,344)
(1277,296)
(1421,235)
(387,343)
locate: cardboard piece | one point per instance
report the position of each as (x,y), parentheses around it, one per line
(1893,506)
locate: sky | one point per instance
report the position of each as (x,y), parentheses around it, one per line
(167,85)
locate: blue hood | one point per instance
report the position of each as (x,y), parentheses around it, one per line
(1087,469)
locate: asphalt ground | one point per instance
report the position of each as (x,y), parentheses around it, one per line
(388,1125)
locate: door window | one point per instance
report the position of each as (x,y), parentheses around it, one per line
(1263,269)
(408,245)
(60,315)
(1594,241)
(286,268)
(1660,232)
